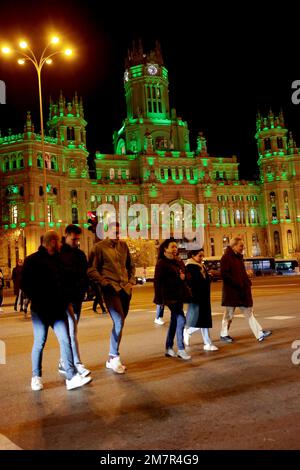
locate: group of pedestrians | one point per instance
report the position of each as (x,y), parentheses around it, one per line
(176,284)
(56,278)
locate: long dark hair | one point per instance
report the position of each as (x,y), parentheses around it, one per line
(163,246)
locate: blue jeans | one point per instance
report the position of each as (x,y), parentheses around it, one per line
(159,311)
(73,335)
(40,333)
(117,304)
(176,326)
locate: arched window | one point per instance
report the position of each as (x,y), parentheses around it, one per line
(162,173)
(21,191)
(111,173)
(169,173)
(73,193)
(224,216)
(176,173)
(39,161)
(238,216)
(286,204)
(20,160)
(217,175)
(255,245)
(273,205)
(253,217)
(212,247)
(290,241)
(14,214)
(70,133)
(50,213)
(277,248)
(192,173)
(267,143)
(74,215)
(279,142)
(225,242)
(209,215)
(41,191)
(53,163)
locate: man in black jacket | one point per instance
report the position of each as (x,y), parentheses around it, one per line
(75,266)
(237,291)
(44,283)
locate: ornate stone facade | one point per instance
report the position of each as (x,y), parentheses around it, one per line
(152,163)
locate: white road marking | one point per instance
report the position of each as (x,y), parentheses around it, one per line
(6,444)
(279,317)
(273,285)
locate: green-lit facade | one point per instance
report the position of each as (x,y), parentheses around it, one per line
(153,162)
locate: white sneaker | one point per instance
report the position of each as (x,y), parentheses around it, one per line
(170,353)
(36,383)
(115,364)
(186,337)
(159,321)
(77,381)
(210,347)
(183,354)
(83,371)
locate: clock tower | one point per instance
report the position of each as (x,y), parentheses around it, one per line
(148,110)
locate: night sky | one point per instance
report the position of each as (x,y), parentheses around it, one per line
(224,65)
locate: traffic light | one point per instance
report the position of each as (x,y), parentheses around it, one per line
(92,221)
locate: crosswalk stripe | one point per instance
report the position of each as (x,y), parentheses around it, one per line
(7,444)
(279,317)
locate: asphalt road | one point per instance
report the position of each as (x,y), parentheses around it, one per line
(243,396)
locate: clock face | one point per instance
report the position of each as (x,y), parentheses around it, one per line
(126,76)
(152,69)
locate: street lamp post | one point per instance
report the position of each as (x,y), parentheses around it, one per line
(39,62)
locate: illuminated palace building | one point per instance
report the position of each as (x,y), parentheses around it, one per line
(152,163)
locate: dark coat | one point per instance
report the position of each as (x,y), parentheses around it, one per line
(236,283)
(44,283)
(200,288)
(16,277)
(169,288)
(75,266)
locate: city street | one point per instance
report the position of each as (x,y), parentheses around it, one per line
(243,396)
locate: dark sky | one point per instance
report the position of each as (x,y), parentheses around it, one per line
(224,65)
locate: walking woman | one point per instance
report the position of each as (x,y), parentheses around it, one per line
(171,290)
(199,310)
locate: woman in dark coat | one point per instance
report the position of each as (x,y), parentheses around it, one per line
(199,310)
(171,290)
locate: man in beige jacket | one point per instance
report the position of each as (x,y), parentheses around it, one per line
(111,266)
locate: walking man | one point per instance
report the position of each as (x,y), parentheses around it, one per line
(43,282)
(237,291)
(111,266)
(75,266)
